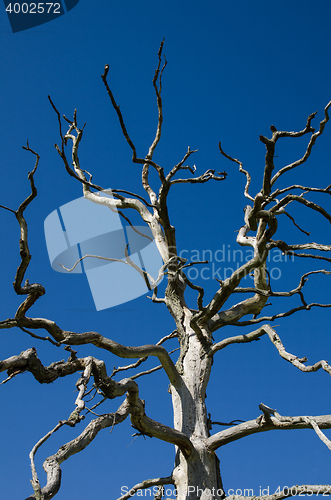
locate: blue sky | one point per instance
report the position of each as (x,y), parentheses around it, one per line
(234,68)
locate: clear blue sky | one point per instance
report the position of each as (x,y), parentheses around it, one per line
(234,68)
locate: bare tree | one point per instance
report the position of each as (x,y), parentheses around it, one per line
(196,473)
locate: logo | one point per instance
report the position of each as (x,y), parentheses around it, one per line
(84,237)
(26,15)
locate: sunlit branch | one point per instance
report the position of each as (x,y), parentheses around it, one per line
(264,423)
(291,358)
(318,431)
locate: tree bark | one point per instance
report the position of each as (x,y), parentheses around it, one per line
(196,476)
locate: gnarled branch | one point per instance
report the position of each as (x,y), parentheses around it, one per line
(262,424)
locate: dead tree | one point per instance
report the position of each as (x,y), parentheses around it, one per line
(196,473)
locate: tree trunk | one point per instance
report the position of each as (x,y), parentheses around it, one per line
(197,476)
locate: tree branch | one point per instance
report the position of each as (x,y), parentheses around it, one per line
(292,197)
(310,145)
(29,361)
(263,424)
(135,159)
(206,176)
(72,338)
(52,463)
(34,289)
(157,84)
(180,165)
(302,188)
(239,339)
(142,360)
(254,321)
(241,169)
(297,362)
(318,431)
(132,405)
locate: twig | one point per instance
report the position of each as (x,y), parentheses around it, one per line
(241,169)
